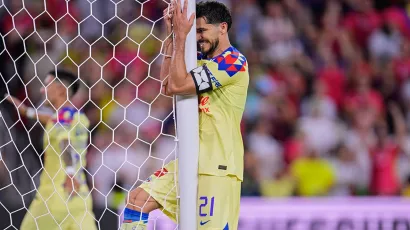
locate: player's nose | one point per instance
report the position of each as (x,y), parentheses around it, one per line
(42,90)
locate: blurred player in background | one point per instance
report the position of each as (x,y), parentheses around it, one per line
(63,200)
(221,81)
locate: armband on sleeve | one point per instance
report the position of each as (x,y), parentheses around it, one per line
(202,79)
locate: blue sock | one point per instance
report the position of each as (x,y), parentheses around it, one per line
(135,216)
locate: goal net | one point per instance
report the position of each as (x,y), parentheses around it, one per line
(114,47)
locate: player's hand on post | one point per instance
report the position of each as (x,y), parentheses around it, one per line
(182,25)
(168,13)
(165,88)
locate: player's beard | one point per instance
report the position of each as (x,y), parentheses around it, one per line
(213,46)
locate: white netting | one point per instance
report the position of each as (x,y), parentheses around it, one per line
(114,47)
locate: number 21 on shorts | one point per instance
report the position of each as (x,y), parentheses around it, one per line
(204,203)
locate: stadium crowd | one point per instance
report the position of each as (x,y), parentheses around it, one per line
(328,110)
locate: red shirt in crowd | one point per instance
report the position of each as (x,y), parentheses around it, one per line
(384,178)
(370,99)
(398,17)
(334,79)
(293,149)
(361,25)
(401,68)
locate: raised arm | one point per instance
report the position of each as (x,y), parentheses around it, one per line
(167,48)
(180,81)
(28,111)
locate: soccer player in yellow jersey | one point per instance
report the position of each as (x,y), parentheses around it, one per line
(63,200)
(221,81)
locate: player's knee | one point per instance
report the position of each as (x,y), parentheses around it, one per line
(139,200)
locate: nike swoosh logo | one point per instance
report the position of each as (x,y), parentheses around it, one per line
(203,223)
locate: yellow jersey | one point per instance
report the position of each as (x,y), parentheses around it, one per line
(222,85)
(66,125)
(315,177)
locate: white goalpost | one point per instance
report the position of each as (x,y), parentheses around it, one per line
(188,147)
(109,49)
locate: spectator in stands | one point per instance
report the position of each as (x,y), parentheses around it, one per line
(362,21)
(280,184)
(320,102)
(250,184)
(384,42)
(385,180)
(267,151)
(278,35)
(347,170)
(322,132)
(314,176)
(384,154)
(295,146)
(360,138)
(362,95)
(401,63)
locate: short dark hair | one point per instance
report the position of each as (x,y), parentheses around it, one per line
(214,12)
(67,78)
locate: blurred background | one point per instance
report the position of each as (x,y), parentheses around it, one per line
(328,110)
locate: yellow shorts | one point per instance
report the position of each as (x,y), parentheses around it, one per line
(55,214)
(218,197)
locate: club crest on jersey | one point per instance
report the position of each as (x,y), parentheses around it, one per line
(161,172)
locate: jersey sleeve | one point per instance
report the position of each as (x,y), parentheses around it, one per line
(222,71)
(64,119)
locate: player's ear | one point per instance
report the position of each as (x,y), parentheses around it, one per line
(223,28)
